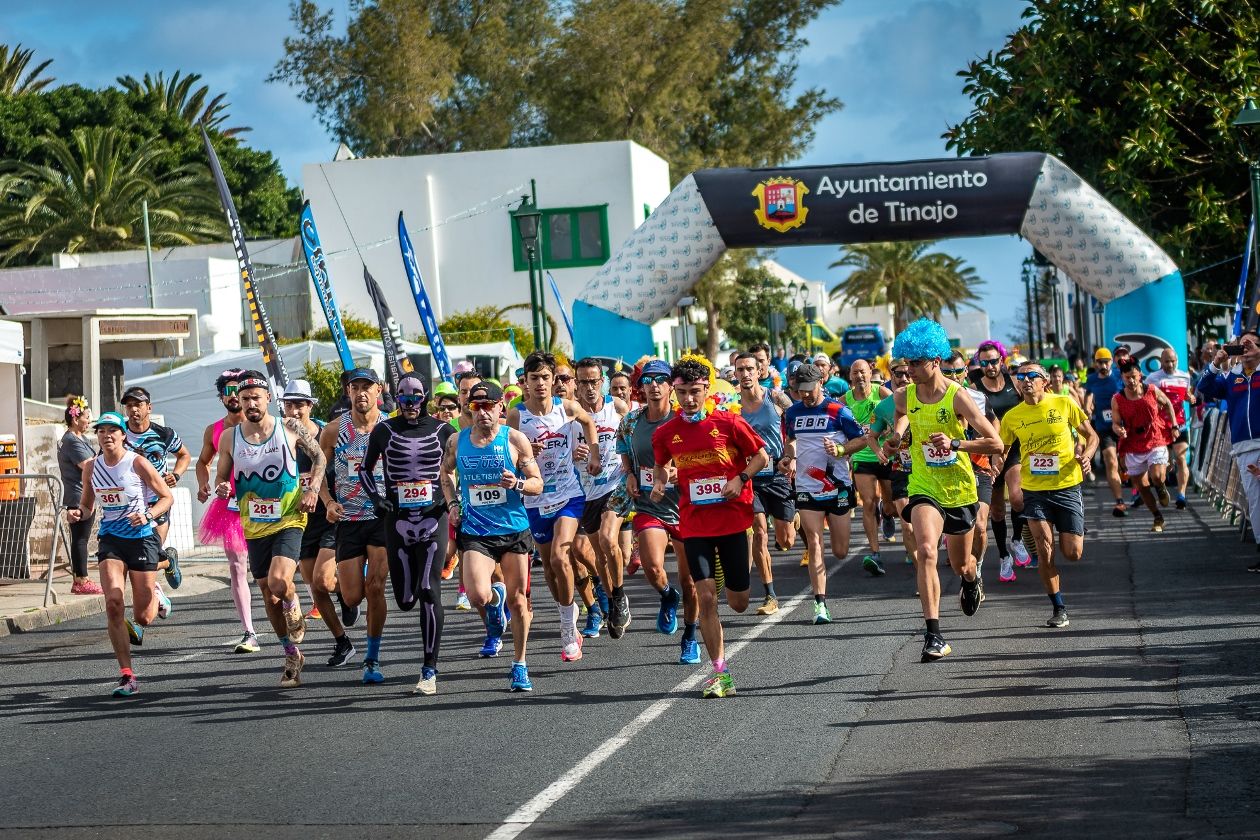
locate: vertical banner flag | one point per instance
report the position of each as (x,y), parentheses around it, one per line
(564,313)
(262,324)
(396,362)
(1242,279)
(318,267)
(440,358)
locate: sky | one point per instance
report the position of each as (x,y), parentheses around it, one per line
(893,64)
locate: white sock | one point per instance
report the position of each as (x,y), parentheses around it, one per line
(568,615)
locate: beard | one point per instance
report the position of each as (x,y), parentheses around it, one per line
(233,407)
(253,415)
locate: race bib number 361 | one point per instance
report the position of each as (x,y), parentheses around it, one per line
(112,498)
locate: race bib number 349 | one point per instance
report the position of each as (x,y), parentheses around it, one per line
(942,456)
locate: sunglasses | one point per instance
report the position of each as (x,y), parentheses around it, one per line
(482,405)
(989,362)
(1032,374)
(409,400)
(654,379)
(901,374)
(230,390)
(919,362)
(447,407)
(564,377)
(954,371)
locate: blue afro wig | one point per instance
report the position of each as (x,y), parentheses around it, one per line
(922,339)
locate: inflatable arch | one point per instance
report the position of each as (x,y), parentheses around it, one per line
(1029,193)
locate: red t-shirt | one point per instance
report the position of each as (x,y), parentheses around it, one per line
(707,455)
(1144,420)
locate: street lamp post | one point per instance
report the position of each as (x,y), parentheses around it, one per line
(528,218)
(1028,304)
(802,295)
(1248,124)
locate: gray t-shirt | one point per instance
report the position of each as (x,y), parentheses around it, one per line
(72,451)
(634,438)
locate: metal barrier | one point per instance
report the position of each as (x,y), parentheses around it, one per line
(31,525)
(1214,471)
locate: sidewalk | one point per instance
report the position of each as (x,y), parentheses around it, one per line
(22,607)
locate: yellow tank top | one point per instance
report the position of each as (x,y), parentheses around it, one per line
(944,475)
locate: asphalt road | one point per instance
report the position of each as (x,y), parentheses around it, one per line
(1138,720)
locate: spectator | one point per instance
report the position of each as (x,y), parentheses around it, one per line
(780,362)
(1072,347)
(73,452)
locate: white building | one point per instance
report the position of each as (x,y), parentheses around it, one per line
(456,208)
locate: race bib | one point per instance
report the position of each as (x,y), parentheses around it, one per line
(553,508)
(1106,415)
(645,479)
(264,510)
(767,472)
(707,491)
(939,456)
(1043,464)
(112,498)
(352,467)
(487,495)
(305,480)
(905,458)
(414,494)
(233,505)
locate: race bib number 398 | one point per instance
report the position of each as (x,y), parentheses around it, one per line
(706,491)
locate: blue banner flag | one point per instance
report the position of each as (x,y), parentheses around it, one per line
(323,285)
(440,358)
(564,313)
(1242,279)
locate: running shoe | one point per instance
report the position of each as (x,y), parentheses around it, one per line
(372,673)
(805,559)
(889,527)
(494,612)
(1161,493)
(349,615)
(135,631)
(314,615)
(461,603)
(769,606)
(1254,567)
(343,652)
(173,575)
(291,677)
(86,587)
(934,647)
(1020,552)
(1119,510)
(572,651)
(126,687)
(822,615)
(690,653)
(490,647)
(719,684)
(601,597)
(1059,619)
(295,623)
(667,618)
(247,644)
(1181,501)
(873,567)
(635,563)
(164,603)
(1157,527)
(594,623)
(427,683)
(1006,572)
(520,678)
(618,615)
(970,595)
(448,570)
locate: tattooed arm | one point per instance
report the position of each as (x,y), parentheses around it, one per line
(303,439)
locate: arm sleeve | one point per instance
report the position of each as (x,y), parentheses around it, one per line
(623,435)
(1006,433)
(1212,385)
(79,450)
(176,443)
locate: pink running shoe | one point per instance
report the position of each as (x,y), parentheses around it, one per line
(1007,572)
(87,586)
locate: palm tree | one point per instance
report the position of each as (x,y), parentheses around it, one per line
(13,63)
(915,282)
(178,96)
(89,198)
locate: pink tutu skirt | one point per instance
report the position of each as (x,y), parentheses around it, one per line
(222,527)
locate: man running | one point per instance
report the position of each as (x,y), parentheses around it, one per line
(360,533)
(221,523)
(619,387)
(716,455)
(258,462)
(772,492)
(156,443)
(872,477)
(820,433)
(410,448)
(1142,418)
(956,371)
(494,467)
(1101,384)
(1177,386)
(942,485)
(545,419)
(656,515)
(128,545)
(1056,443)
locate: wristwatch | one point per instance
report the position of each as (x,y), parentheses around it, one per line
(745,478)
(955,444)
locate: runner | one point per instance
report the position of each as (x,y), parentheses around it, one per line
(317,556)
(1057,443)
(656,515)
(1063,386)
(1100,386)
(767,377)
(409,448)
(563,384)
(619,387)
(1142,419)
(872,477)
(258,463)
(981,464)
(717,455)
(772,492)
(1177,386)
(544,419)
(942,486)
(899,463)
(495,466)
(360,534)
(156,443)
(601,524)
(820,432)
(221,522)
(128,545)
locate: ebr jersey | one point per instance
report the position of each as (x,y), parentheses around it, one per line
(708,454)
(818,473)
(488,508)
(550,431)
(607,420)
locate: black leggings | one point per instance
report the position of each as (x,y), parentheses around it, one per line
(79,534)
(416,546)
(709,557)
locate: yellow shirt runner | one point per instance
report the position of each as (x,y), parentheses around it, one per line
(1047,446)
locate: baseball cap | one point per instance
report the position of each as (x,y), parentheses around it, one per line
(444,389)
(363,373)
(1123,348)
(807,376)
(822,357)
(485,390)
(110,418)
(1102,353)
(136,393)
(299,390)
(656,366)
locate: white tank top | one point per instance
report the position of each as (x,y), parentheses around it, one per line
(606,422)
(560,478)
(119,491)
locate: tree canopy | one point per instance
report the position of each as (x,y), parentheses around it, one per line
(916,282)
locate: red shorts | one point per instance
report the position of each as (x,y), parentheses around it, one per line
(644,521)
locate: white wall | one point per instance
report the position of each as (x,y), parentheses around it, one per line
(467,261)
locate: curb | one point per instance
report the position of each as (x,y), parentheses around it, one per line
(39,617)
